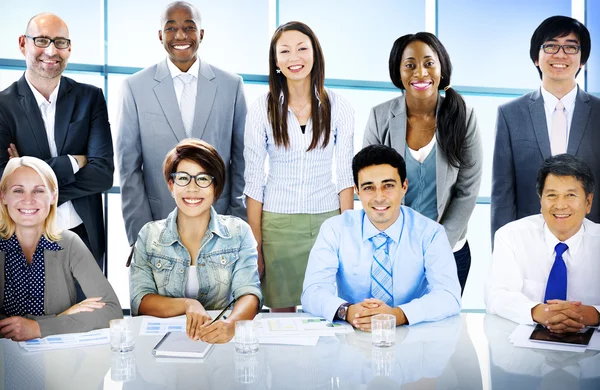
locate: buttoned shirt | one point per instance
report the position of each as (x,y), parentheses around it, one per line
(550,105)
(522,260)
(426,285)
(298,181)
(178,83)
(66,215)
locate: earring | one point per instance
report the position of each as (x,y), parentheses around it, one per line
(173,195)
(278,70)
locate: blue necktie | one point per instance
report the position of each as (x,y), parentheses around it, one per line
(557,281)
(381,270)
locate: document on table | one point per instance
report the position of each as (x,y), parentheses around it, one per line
(520,338)
(160,326)
(69,340)
(303,326)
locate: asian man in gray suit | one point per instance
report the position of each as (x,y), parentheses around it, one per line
(557,118)
(180,97)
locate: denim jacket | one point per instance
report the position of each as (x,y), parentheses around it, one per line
(226,263)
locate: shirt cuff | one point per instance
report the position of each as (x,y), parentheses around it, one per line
(74,164)
(255,192)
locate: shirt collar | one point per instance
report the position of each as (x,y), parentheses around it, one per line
(282,98)
(568,100)
(175,71)
(574,242)
(393,231)
(39,98)
(13,244)
(170,234)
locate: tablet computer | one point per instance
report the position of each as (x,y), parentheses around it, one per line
(581,338)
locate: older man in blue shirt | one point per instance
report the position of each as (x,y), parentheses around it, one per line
(384,259)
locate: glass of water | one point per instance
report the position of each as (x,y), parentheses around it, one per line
(246,337)
(383,330)
(121,335)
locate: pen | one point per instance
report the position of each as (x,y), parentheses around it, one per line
(217,318)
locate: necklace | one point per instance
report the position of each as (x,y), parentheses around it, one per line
(420,129)
(300,111)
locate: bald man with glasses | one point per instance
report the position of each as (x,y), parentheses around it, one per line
(63,122)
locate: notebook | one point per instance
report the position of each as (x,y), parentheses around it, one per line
(178,344)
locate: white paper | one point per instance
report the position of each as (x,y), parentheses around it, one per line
(298,340)
(69,340)
(520,338)
(302,326)
(160,326)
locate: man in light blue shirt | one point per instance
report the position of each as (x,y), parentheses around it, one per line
(410,274)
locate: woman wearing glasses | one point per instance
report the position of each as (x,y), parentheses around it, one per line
(305,130)
(39,263)
(437,135)
(196,260)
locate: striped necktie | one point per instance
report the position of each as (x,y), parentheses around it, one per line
(557,280)
(382,285)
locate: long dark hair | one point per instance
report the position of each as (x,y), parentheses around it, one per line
(321,107)
(452,118)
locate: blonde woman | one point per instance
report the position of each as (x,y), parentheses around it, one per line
(39,263)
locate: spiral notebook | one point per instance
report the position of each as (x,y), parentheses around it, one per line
(178,344)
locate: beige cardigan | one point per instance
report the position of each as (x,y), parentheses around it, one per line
(62,268)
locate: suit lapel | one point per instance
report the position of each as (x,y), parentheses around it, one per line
(65,103)
(165,93)
(397,130)
(580,118)
(205,97)
(33,115)
(540,127)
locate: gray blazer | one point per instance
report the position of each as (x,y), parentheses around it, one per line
(522,144)
(457,189)
(62,268)
(150,125)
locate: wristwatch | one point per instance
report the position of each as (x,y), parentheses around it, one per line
(342,311)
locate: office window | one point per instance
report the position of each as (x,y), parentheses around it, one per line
(356,36)
(236,34)
(84,18)
(593,65)
(488,41)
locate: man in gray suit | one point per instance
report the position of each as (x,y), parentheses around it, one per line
(557,118)
(178,98)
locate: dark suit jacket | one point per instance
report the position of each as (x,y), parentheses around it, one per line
(81,127)
(522,145)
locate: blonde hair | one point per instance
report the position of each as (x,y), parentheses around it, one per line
(7,225)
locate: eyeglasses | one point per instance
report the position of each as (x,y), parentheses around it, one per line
(552,48)
(182,179)
(44,42)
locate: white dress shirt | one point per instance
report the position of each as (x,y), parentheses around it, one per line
(550,105)
(522,260)
(298,182)
(66,216)
(178,83)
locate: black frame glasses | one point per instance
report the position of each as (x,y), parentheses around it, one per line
(44,42)
(176,176)
(553,48)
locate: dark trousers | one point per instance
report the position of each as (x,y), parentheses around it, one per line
(463,265)
(82,233)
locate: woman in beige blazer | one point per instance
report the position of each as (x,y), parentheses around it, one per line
(39,264)
(437,136)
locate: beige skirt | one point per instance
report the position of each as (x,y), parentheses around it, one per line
(286,243)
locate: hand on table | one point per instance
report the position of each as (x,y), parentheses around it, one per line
(361,316)
(222,331)
(86,305)
(196,317)
(565,316)
(19,328)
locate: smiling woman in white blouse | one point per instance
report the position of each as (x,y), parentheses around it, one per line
(39,263)
(305,130)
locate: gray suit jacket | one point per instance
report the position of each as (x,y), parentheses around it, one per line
(150,125)
(522,144)
(62,268)
(457,189)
